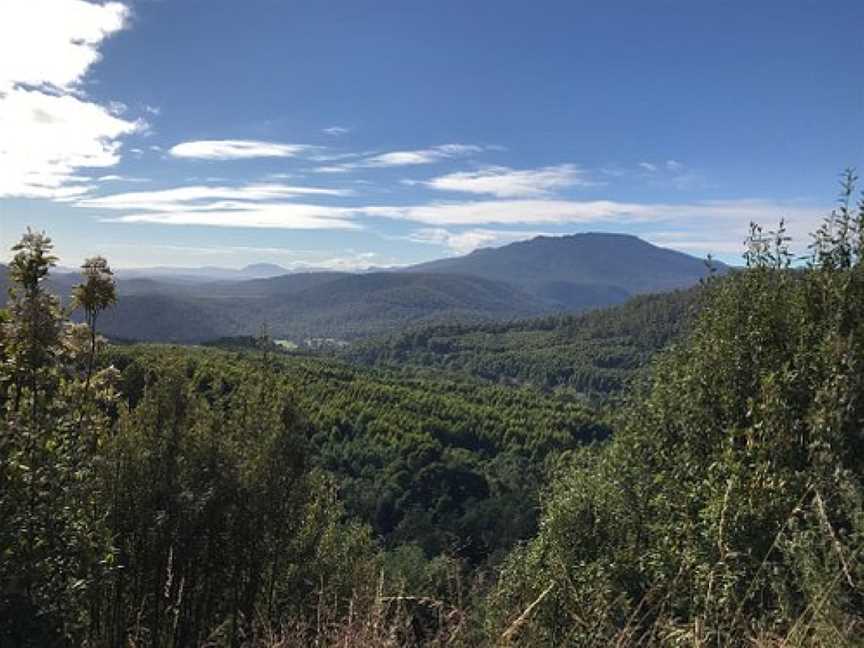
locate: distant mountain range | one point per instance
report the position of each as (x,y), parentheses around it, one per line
(543,275)
(205,273)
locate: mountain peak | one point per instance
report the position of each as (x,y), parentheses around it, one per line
(566,266)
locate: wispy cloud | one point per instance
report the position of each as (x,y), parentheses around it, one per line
(253,205)
(718,213)
(469,240)
(293,259)
(700,242)
(253,215)
(50,129)
(336,130)
(405,158)
(697,226)
(113,177)
(334,168)
(204,198)
(516,212)
(422,156)
(505,182)
(236,206)
(235,149)
(671,173)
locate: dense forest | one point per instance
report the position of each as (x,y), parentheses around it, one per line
(157,495)
(596,353)
(444,465)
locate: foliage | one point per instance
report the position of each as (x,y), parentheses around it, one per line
(171,518)
(729,504)
(53,543)
(452,466)
(593,354)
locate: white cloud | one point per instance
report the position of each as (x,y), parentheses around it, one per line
(701,243)
(297,260)
(505,182)
(204,198)
(422,156)
(235,149)
(345,261)
(252,215)
(53,42)
(717,214)
(405,158)
(336,130)
(48,138)
(514,212)
(254,205)
(332,168)
(50,129)
(113,177)
(468,240)
(672,173)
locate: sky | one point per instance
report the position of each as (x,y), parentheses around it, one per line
(355,133)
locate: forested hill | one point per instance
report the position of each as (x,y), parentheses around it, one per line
(596,352)
(299,306)
(343,306)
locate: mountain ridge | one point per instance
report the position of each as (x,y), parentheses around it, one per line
(572,273)
(622,261)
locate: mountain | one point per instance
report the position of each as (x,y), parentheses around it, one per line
(579,270)
(179,275)
(530,278)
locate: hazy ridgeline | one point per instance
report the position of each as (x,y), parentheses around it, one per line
(171,496)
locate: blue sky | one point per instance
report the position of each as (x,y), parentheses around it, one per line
(356,133)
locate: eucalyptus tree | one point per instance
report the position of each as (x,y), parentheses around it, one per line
(95,294)
(31,332)
(53,540)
